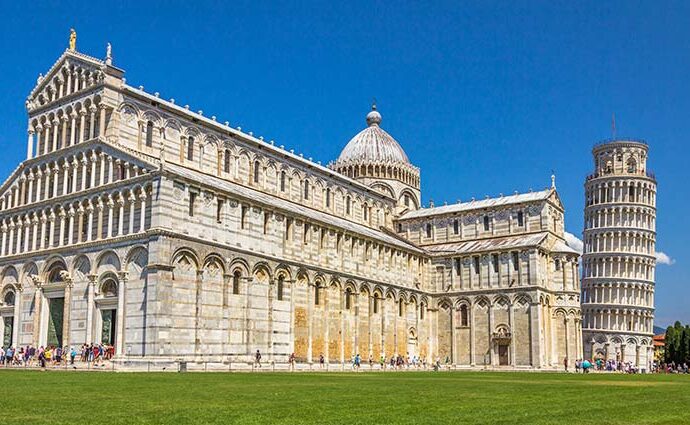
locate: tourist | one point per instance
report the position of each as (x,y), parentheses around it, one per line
(257,358)
(371,362)
(322,361)
(565,364)
(358,360)
(2,355)
(291,361)
(72,355)
(382,363)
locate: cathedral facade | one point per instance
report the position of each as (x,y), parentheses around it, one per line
(139,223)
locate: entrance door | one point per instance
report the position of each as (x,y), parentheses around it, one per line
(55,309)
(8,328)
(503,355)
(108,329)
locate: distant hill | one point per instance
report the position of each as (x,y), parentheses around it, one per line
(659,330)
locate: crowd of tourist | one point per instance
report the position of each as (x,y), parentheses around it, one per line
(51,356)
(674,367)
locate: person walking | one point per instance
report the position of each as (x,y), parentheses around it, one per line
(565,364)
(257,358)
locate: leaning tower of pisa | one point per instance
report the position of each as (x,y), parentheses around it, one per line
(618,259)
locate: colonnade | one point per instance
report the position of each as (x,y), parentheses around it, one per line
(629,191)
(75,221)
(638,242)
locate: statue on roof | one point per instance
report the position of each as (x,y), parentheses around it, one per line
(72,39)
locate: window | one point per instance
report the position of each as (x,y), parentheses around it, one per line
(317,294)
(282,181)
(257,168)
(456,227)
(494,261)
(9,298)
(267,218)
(219,211)
(348,299)
(631,193)
(376,303)
(236,282)
(407,200)
(243,217)
(486,223)
(422,309)
(365,211)
(400,228)
(149,134)
(458,266)
(463,316)
(428,230)
(279,291)
(400,308)
(347,205)
(338,241)
(328,197)
(322,239)
(306,189)
(520,218)
(192,199)
(557,264)
(226,161)
(476,265)
(305,238)
(190,149)
(516,261)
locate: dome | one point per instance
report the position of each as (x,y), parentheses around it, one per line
(373,144)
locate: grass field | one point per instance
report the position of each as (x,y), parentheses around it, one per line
(34,397)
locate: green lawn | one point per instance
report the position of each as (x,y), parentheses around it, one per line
(34,397)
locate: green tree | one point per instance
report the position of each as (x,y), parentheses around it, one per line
(670,346)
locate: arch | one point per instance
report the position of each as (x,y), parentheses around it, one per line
(81,267)
(262,271)
(108,284)
(284,271)
(10,275)
(239,264)
(108,260)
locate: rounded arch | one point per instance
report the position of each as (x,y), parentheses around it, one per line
(284,271)
(262,271)
(10,275)
(108,260)
(239,264)
(81,267)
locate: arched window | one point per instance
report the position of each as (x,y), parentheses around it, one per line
(428,230)
(486,223)
(149,134)
(306,189)
(463,315)
(279,291)
(9,298)
(190,148)
(347,205)
(328,197)
(236,282)
(256,171)
(317,294)
(109,288)
(422,310)
(226,161)
(282,181)
(632,165)
(401,308)
(348,298)
(376,303)
(365,211)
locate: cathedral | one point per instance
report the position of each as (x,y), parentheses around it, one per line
(137,222)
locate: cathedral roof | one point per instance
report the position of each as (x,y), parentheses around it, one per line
(373,145)
(483,203)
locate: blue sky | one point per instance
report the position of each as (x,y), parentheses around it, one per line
(485,97)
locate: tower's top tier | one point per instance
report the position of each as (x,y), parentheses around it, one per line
(620,157)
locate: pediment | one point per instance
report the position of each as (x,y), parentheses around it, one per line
(99,145)
(555,199)
(72,72)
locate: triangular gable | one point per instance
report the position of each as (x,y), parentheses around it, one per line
(46,83)
(555,199)
(118,152)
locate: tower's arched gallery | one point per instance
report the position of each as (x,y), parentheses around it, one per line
(138,222)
